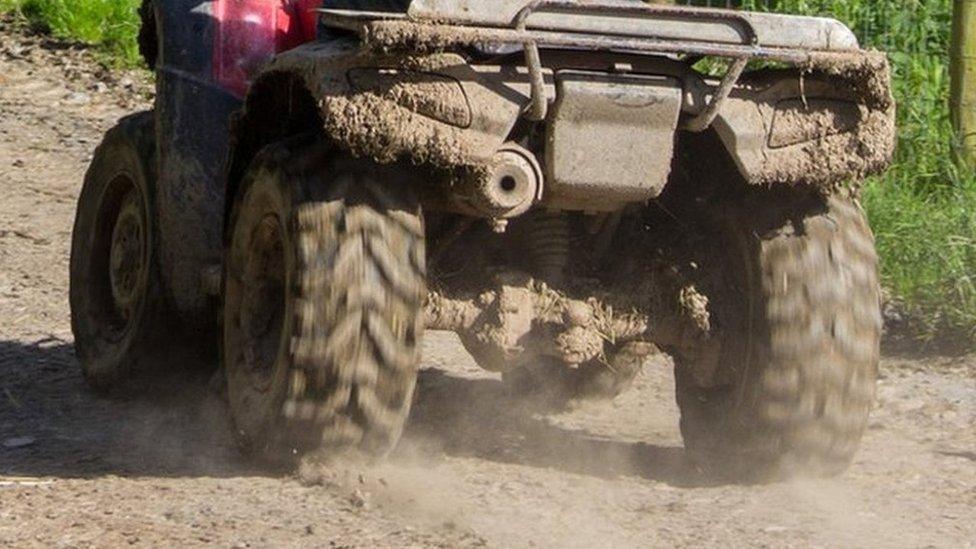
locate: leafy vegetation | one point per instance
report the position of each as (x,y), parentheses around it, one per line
(923,210)
(111,25)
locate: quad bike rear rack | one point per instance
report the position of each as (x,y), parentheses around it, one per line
(604,25)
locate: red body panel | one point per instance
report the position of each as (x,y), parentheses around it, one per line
(249,32)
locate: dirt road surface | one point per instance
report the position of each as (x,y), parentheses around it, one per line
(476,468)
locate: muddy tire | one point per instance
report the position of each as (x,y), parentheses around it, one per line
(800,346)
(117,311)
(324,286)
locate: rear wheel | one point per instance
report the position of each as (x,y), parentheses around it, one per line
(800,331)
(117,311)
(324,286)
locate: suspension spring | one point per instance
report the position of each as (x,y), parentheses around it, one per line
(547,238)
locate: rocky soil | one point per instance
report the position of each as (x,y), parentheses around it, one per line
(476,468)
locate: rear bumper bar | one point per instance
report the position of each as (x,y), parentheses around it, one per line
(630,18)
(605,25)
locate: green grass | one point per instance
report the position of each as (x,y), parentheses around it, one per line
(110,25)
(923,210)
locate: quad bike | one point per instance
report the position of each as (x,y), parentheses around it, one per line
(571,186)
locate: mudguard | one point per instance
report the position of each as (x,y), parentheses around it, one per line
(436,109)
(828,124)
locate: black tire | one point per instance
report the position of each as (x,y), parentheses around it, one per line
(324,288)
(800,343)
(117,311)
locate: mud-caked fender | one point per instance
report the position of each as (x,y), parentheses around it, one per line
(822,125)
(434,110)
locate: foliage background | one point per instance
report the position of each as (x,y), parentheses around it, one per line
(111,25)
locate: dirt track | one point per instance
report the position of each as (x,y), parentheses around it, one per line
(475,468)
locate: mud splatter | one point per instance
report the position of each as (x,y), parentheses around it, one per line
(833,160)
(396,110)
(373,127)
(867,73)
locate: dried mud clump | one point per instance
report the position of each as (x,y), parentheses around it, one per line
(385,108)
(694,304)
(798,121)
(420,38)
(833,160)
(435,96)
(868,74)
(370,126)
(825,143)
(522,317)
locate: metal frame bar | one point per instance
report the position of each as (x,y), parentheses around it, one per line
(751,37)
(540,105)
(355,21)
(704,120)
(534,38)
(533,62)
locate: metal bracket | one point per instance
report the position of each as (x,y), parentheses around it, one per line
(704,120)
(539,108)
(533,62)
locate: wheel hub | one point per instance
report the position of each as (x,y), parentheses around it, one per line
(263,302)
(127,255)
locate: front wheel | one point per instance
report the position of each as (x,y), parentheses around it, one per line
(324,287)
(800,333)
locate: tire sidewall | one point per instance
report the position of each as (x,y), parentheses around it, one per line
(106,361)
(342,379)
(262,194)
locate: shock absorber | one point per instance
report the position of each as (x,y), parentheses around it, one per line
(547,241)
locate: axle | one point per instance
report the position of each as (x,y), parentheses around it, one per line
(522,320)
